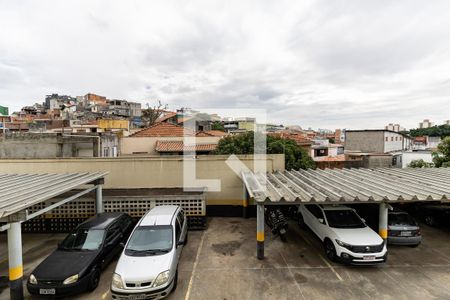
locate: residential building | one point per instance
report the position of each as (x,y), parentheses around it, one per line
(149,141)
(376,141)
(323,148)
(447,122)
(426,124)
(426,142)
(296,136)
(394,127)
(404,158)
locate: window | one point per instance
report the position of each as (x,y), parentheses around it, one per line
(177,230)
(111,233)
(83,239)
(150,240)
(180,217)
(396,138)
(344,219)
(387,139)
(315,210)
(392,138)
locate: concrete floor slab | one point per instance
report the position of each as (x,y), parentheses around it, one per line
(220,263)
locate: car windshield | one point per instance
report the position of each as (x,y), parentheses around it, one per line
(344,219)
(150,240)
(400,219)
(83,239)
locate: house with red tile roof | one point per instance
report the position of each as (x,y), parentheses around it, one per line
(165,138)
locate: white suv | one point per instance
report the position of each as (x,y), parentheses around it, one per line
(344,234)
(148,266)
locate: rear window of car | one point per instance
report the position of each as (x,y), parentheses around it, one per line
(400,219)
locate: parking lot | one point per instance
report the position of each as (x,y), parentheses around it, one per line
(220,263)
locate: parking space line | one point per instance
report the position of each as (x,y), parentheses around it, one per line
(191,280)
(105,294)
(323,259)
(293,277)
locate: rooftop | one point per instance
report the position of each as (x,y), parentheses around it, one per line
(349,186)
(178,146)
(163,129)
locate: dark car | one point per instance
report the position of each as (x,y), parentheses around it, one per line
(434,214)
(75,266)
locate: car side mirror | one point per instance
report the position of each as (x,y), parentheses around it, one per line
(321,221)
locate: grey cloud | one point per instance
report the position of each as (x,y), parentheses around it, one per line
(318,63)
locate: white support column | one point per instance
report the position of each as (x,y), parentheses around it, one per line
(15,261)
(260,231)
(99,199)
(383,220)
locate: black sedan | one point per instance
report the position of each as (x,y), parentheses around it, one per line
(76,265)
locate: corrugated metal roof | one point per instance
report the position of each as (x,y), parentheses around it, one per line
(349,185)
(20,191)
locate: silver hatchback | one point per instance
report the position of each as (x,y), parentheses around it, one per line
(148,266)
(403,229)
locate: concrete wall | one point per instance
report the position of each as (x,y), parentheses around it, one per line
(31,146)
(147,145)
(377,161)
(364,141)
(408,157)
(395,142)
(150,172)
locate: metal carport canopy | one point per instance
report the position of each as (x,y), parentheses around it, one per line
(336,186)
(21,191)
(18,192)
(339,186)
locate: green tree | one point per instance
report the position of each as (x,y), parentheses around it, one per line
(295,156)
(441,130)
(419,163)
(217,126)
(441,157)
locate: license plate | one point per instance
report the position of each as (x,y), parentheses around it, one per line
(137,297)
(405,233)
(369,258)
(47,291)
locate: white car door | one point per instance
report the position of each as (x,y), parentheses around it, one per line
(318,227)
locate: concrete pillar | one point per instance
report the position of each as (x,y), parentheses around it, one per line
(99,199)
(260,231)
(383,220)
(15,261)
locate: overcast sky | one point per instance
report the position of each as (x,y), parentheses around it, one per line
(327,64)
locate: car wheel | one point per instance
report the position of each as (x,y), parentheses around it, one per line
(430,220)
(95,279)
(330,250)
(175,281)
(301,221)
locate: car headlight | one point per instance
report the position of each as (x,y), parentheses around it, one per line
(345,245)
(162,278)
(33,279)
(71,279)
(117,281)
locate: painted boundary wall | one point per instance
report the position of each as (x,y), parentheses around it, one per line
(151,172)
